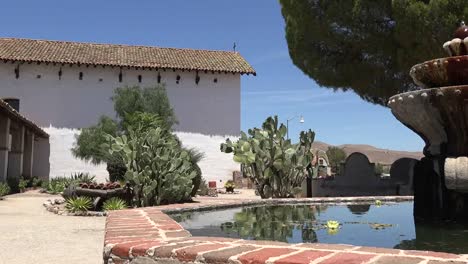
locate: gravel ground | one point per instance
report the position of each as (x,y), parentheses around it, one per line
(30,234)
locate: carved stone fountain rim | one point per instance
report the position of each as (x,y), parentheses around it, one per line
(396,97)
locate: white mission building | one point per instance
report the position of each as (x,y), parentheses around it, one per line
(64,86)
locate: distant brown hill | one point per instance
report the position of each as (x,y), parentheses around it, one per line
(376,155)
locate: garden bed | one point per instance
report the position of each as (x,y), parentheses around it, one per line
(57,206)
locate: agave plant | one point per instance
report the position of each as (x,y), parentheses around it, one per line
(82,177)
(276,166)
(114,203)
(195,157)
(78,204)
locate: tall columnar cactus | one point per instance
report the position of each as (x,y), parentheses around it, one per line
(159,170)
(273,163)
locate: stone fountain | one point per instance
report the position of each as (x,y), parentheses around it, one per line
(439,114)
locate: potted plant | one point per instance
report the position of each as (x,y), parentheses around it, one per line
(229,185)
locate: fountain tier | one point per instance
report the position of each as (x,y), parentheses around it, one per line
(440,117)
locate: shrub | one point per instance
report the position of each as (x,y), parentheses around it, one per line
(276,166)
(203,189)
(114,203)
(58,185)
(23,184)
(117,170)
(88,143)
(158,168)
(4,189)
(78,204)
(45,185)
(36,182)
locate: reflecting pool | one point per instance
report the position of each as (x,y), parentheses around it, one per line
(389,225)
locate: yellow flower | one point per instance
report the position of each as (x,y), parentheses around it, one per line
(332,227)
(333,224)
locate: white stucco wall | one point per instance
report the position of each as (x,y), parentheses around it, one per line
(209,108)
(64,105)
(62,162)
(216,166)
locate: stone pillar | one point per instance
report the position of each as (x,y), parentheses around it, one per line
(28,155)
(15,157)
(41,163)
(430,194)
(4,146)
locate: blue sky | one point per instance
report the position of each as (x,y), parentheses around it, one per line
(258,29)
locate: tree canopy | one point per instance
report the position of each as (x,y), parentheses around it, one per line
(135,106)
(368,46)
(129,100)
(335,156)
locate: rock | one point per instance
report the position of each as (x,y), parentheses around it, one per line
(212,192)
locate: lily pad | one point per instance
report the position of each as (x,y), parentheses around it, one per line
(378,226)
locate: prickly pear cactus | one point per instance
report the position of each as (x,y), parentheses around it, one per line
(158,169)
(273,163)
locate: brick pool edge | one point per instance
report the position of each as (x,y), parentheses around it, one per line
(148,235)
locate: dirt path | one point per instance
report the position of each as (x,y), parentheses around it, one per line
(30,234)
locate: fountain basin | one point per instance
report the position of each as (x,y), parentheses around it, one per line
(441,72)
(439,116)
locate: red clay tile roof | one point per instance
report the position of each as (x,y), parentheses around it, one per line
(29,50)
(13,114)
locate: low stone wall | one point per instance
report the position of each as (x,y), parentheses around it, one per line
(149,235)
(339,187)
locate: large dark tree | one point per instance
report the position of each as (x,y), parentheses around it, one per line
(368,46)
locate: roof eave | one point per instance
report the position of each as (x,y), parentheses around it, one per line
(253,72)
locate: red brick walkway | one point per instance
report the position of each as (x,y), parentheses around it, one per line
(149,234)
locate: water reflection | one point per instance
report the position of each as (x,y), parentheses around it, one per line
(448,237)
(275,223)
(389,225)
(359,209)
